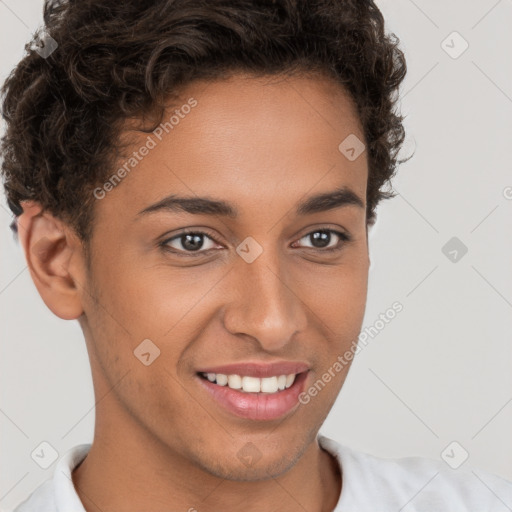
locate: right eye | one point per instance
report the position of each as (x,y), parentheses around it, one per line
(187,243)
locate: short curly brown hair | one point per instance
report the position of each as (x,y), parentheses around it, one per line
(120,60)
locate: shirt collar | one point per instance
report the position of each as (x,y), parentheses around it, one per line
(66,497)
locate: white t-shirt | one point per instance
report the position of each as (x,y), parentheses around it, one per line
(370,484)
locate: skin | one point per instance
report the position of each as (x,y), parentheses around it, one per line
(160,442)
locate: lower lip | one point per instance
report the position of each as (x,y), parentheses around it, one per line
(257,406)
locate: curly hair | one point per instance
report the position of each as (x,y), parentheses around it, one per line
(116,61)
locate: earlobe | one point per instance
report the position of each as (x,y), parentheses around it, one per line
(53,254)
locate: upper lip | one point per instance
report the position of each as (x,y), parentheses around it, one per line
(258,369)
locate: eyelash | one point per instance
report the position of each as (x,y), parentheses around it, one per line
(344,238)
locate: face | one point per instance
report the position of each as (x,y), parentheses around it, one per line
(179,296)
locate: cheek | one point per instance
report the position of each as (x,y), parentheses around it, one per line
(337,295)
(338,300)
(126,307)
(339,307)
(152,300)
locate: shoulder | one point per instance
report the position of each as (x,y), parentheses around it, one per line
(415,484)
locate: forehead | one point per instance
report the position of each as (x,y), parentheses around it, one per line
(247,139)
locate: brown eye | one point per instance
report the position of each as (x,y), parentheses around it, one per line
(326,240)
(189,243)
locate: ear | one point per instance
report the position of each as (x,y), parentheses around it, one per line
(54,257)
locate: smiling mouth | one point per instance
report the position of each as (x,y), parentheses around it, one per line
(249,384)
(266,398)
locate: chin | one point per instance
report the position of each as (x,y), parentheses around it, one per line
(258,457)
(261,469)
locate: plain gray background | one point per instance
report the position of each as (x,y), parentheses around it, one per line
(440,371)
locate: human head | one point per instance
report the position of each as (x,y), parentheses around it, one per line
(119,67)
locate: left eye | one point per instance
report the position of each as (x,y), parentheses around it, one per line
(323,238)
(192,242)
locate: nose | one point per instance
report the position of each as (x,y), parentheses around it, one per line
(265,303)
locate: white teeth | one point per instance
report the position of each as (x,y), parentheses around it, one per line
(221,379)
(249,384)
(269,385)
(235,381)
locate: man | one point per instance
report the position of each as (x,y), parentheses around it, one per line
(194,182)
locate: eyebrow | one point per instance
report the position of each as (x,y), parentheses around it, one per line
(322,202)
